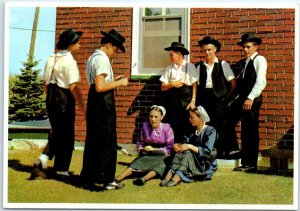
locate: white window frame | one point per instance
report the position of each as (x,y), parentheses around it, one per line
(136,40)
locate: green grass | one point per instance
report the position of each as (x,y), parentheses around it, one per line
(27,135)
(226,187)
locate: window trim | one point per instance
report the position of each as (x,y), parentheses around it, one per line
(136,38)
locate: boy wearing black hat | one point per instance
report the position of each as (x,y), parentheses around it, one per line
(246,108)
(61,76)
(216,86)
(100,152)
(179,80)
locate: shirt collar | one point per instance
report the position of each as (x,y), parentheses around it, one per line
(183,63)
(215,61)
(63,53)
(102,53)
(252,56)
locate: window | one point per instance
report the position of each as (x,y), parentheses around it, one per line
(153,30)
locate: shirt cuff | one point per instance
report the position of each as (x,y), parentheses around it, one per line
(251,96)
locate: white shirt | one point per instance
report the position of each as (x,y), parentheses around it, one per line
(97,64)
(260,65)
(185,73)
(228,73)
(65,71)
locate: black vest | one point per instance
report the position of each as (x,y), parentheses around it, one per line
(220,84)
(248,81)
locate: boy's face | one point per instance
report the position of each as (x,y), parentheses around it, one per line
(209,51)
(249,48)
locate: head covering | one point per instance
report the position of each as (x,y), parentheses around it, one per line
(210,40)
(249,37)
(178,47)
(203,114)
(116,38)
(67,38)
(163,110)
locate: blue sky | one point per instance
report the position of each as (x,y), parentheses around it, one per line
(20,29)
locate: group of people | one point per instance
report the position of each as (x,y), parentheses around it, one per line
(208,92)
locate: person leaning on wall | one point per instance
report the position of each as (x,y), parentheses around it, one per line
(100,151)
(215,88)
(179,82)
(251,83)
(61,76)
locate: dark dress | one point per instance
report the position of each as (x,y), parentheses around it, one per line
(192,166)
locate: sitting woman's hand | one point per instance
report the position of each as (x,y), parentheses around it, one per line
(148,148)
(180,147)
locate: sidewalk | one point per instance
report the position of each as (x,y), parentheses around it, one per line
(129,149)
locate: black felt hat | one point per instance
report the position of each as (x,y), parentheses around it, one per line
(67,38)
(116,38)
(179,47)
(249,37)
(210,40)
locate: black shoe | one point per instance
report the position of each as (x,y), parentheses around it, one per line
(172,183)
(246,168)
(139,181)
(234,155)
(163,182)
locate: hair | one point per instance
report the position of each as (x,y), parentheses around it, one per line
(63,46)
(196,111)
(156,108)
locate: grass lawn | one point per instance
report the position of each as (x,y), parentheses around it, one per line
(226,187)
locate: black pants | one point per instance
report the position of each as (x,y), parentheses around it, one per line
(100,151)
(218,114)
(249,129)
(61,142)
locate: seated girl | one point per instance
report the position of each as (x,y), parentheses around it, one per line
(195,159)
(155,143)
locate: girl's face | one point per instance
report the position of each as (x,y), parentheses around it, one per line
(155,118)
(249,48)
(174,57)
(195,119)
(209,51)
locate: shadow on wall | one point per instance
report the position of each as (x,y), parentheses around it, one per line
(149,95)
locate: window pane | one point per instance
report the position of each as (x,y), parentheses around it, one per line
(174,11)
(153,11)
(153,24)
(154,54)
(173,23)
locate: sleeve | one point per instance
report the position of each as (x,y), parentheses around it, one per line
(206,149)
(141,141)
(72,72)
(260,64)
(47,71)
(228,73)
(164,78)
(101,65)
(169,140)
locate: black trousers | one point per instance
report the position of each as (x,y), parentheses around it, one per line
(61,142)
(100,151)
(249,129)
(218,114)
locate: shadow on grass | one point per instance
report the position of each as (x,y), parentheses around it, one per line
(37,173)
(268,171)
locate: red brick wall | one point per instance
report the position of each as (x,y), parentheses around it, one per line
(274,26)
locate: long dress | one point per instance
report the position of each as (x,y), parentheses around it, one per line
(161,138)
(192,166)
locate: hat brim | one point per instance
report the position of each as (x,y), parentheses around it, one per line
(214,42)
(257,40)
(115,40)
(182,50)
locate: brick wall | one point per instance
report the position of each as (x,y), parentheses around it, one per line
(274,26)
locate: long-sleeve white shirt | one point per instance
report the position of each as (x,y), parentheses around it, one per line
(260,65)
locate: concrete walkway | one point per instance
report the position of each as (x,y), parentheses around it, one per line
(127,149)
